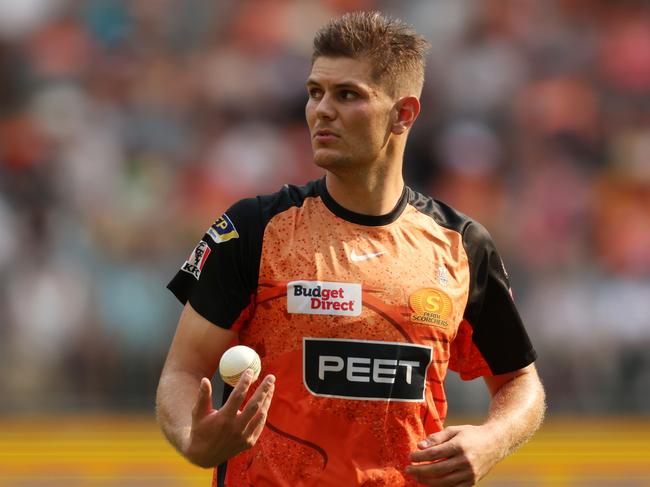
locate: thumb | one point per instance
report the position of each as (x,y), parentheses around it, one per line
(203,403)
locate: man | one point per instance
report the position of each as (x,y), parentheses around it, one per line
(357,293)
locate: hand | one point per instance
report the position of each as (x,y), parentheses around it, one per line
(457,456)
(217,435)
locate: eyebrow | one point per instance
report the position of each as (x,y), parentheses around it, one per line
(342,84)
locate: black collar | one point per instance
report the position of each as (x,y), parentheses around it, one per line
(358,218)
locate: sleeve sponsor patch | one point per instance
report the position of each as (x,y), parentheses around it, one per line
(195,262)
(222,230)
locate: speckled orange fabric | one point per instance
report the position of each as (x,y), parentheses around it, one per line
(313,440)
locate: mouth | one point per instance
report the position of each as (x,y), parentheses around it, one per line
(324,135)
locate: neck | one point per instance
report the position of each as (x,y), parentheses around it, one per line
(368,194)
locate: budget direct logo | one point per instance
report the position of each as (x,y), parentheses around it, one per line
(430,307)
(324,298)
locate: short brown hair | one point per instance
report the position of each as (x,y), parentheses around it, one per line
(396,51)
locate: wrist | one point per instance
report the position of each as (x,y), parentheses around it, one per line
(184,444)
(199,453)
(498,438)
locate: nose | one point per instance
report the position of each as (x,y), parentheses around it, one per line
(325,109)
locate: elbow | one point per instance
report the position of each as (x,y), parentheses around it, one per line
(158,400)
(542,405)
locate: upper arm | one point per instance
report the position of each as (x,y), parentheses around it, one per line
(495,382)
(491,338)
(216,284)
(197,345)
(220,276)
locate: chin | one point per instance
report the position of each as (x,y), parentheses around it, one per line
(329,159)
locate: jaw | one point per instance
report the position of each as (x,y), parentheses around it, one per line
(329,158)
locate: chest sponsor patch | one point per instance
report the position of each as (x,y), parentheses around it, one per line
(324,298)
(195,262)
(222,230)
(365,369)
(430,306)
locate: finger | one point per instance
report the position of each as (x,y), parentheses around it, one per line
(255,403)
(455,478)
(203,404)
(238,394)
(430,447)
(452,468)
(438,438)
(256,425)
(438,452)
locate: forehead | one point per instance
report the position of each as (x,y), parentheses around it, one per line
(342,70)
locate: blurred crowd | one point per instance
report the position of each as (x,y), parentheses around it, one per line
(127,127)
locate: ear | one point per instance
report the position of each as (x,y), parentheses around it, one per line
(407,110)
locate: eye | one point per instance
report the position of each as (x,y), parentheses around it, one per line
(348,95)
(315,93)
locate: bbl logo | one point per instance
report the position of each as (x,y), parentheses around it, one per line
(430,307)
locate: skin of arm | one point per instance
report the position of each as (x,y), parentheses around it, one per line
(460,456)
(203,435)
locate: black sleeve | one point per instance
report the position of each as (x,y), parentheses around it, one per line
(498,331)
(221,274)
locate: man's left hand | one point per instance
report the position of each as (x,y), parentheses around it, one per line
(457,456)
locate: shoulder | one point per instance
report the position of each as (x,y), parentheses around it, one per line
(288,196)
(473,232)
(255,212)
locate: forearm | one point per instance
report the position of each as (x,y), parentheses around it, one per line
(175,400)
(516,411)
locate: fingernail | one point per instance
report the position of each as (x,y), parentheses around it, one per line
(271,379)
(248,373)
(423,444)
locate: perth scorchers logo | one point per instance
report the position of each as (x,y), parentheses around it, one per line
(430,307)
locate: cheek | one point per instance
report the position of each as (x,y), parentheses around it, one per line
(375,128)
(309,113)
(307,117)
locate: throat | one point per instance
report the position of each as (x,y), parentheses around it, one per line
(366,196)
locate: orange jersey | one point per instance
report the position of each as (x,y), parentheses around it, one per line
(359,318)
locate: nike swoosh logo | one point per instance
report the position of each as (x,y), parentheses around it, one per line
(358,258)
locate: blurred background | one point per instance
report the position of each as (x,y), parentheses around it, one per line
(127,127)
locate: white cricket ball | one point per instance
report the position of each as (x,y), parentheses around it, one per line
(235,361)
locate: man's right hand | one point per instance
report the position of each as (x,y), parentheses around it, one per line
(217,435)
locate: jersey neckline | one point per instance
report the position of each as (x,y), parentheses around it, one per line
(359,218)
